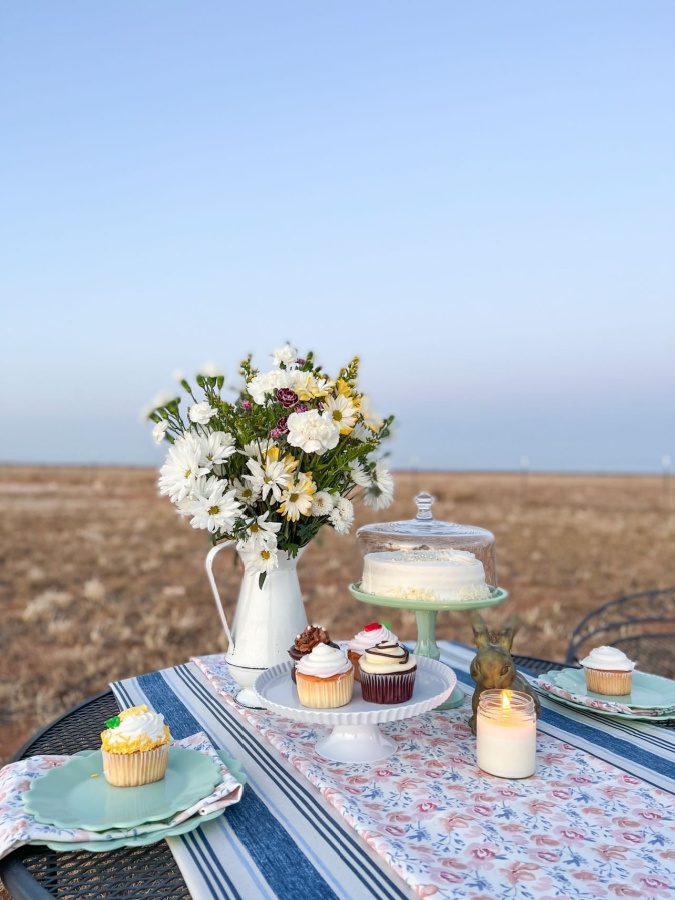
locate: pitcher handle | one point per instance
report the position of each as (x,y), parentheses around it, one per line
(210,557)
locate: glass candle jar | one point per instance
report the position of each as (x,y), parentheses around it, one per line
(506,734)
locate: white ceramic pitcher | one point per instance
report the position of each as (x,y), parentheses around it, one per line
(265,624)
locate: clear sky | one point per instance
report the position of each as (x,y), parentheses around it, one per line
(479,198)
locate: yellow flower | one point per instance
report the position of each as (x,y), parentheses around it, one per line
(296,500)
(311,388)
(289,462)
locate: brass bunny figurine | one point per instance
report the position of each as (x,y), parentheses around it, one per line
(493,667)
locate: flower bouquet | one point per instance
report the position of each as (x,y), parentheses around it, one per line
(285,455)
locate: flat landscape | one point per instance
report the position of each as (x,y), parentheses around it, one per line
(99,579)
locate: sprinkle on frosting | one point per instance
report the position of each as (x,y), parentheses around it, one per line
(135,729)
(609,659)
(310,637)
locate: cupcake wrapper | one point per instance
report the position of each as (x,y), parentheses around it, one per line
(387,688)
(354,659)
(133,769)
(325,694)
(603,682)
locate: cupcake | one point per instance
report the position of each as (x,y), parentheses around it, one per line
(325,678)
(135,747)
(370,636)
(608,671)
(306,642)
(387,673)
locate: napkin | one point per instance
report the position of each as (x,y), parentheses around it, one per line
(18,827)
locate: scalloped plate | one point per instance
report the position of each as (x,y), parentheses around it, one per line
(497,595)
(76,795)
(142,840)
(434,682)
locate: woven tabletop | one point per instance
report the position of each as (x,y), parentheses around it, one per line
(151,872)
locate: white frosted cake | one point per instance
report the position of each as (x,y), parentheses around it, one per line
(442,576)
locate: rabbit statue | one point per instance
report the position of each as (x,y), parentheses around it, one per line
(493,668)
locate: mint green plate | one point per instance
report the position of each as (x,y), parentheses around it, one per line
(649,692)
(583,707)
(142,840)
(497,596)
(76,795)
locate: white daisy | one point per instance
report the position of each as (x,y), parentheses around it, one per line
(296,500)
(322,503)
(359,475)
(361,433)
(285,355)
(253,450)
(342,517)
(270,477)
(244,492)
(312,432)
(380,493)
(259,559)
(342,411)
(214,505)
(210,370)
(370,417)
(215,448)
(182,468)
(261,533)
(159,431)
(201,413)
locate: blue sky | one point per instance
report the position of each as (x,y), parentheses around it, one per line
(477,198)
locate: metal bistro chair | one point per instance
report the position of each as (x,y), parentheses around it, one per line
(642,625)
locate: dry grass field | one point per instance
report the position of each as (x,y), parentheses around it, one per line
(99,579)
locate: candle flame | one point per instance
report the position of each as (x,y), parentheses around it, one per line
(506,702)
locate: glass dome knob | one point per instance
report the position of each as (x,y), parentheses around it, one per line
(424,501)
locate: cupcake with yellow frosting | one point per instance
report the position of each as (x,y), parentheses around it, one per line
(135,747)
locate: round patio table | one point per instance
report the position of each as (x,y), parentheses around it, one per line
(39,874)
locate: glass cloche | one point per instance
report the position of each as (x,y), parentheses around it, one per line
(424,532)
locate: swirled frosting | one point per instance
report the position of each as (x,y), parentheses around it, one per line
(324,662)
(310,637)
(372,634)
(135,729)
(387,658)
(608,658)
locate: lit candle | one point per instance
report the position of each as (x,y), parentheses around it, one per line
(506,734)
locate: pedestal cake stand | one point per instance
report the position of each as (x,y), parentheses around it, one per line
(426,612)
(355,736)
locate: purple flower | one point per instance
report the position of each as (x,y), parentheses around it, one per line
(300,361)
(301,407)
(287,397)
(280,429)
(246,404)
(275,434)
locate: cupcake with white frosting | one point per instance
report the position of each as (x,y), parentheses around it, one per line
(135,747)
(608,671)
(372,634)
(325,678)
(387,673)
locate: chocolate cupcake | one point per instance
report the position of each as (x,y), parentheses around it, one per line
(387,673)
(306,642)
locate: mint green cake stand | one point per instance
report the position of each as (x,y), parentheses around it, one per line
(426,612)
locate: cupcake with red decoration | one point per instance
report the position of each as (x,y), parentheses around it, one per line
(306,641)
(372,634)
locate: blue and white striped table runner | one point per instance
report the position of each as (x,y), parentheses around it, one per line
(284,840)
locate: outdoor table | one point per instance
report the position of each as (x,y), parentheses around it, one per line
(151,871)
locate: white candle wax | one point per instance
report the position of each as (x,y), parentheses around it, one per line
(506,734)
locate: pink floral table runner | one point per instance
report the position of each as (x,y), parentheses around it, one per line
(581,827)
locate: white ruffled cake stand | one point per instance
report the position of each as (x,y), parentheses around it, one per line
(355,736)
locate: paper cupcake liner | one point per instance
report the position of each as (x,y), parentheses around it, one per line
(387,688)
(133,769)
(602,682)
(325,693)
(354,659)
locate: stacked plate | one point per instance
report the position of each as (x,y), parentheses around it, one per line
(76,796)
(652,698)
